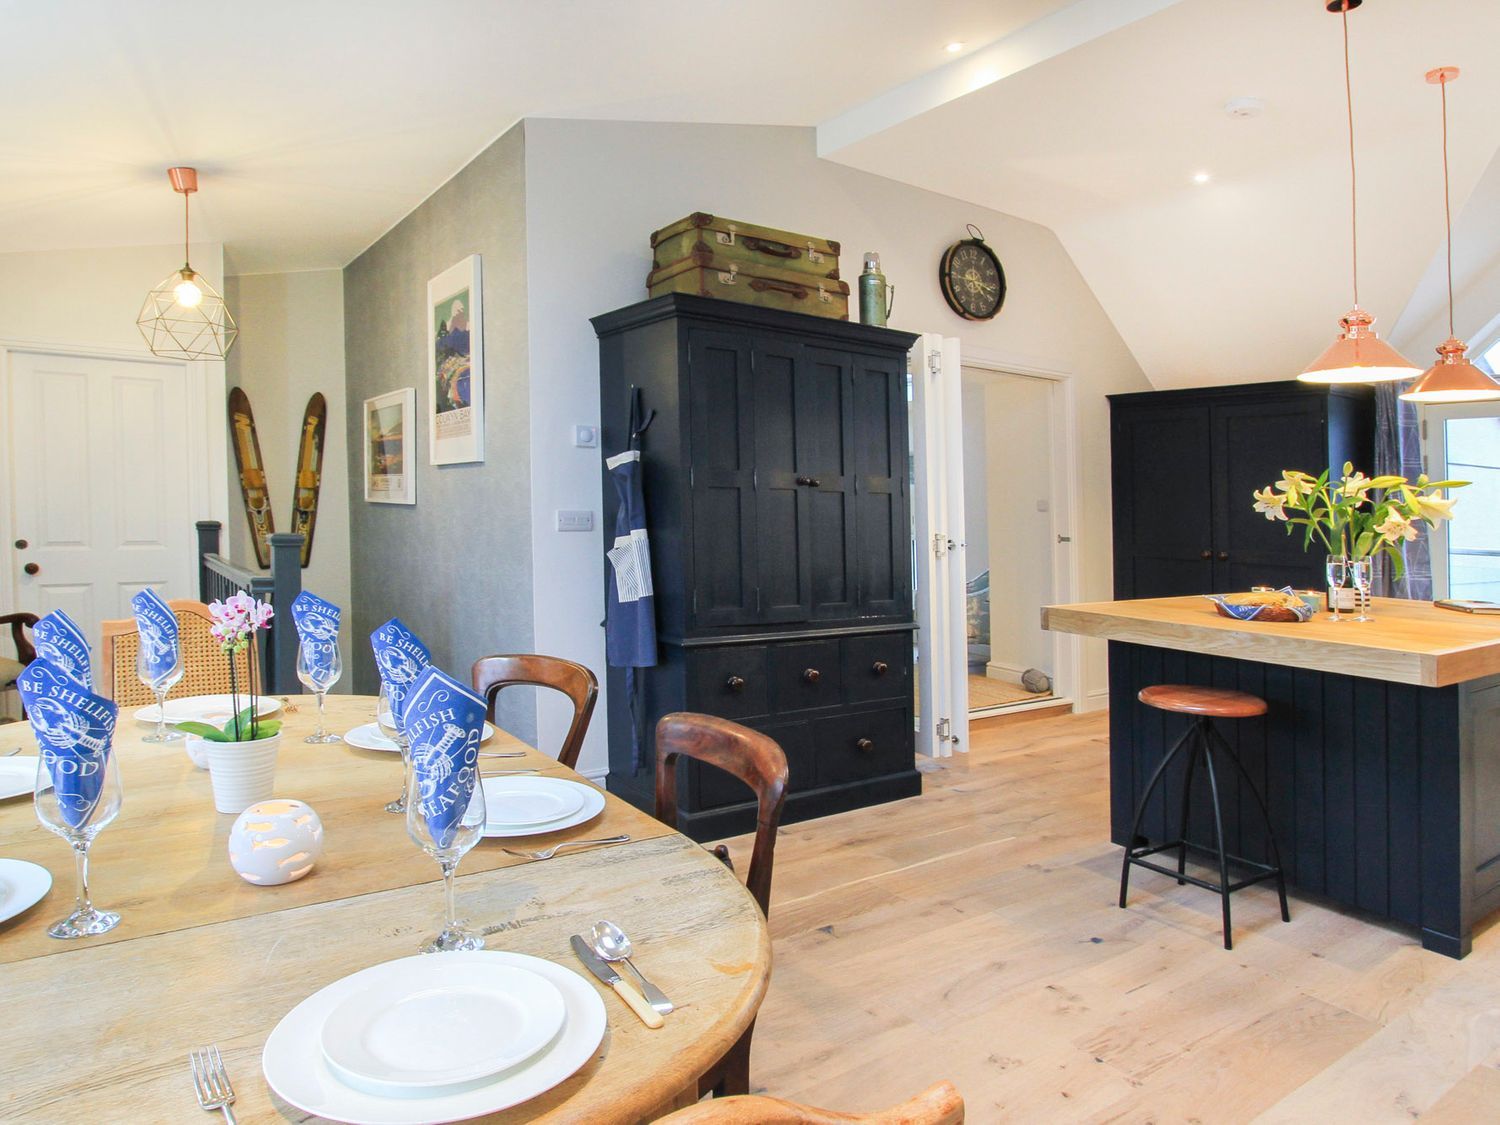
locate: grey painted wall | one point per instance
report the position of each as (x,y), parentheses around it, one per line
(456,567)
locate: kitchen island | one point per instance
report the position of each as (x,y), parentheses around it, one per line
(1379,757)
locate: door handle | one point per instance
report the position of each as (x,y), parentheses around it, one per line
(1223,556)
(22,544)
(1205,554)
(809,482)
(32,569)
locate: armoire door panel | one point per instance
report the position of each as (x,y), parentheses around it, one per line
(1163,502)
(824,437)
(781,534)
(722,434)
(882,530)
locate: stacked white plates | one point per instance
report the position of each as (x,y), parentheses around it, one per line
(22,886)
(434,1038)
(368,737)
(18,776)
(532,806)
(216,709)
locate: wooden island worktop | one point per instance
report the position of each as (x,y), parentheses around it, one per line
(1379,757)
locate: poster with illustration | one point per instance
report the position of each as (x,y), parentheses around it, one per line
(455,365)
(389,478)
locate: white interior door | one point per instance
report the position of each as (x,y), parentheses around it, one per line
(938,469)
(101,491)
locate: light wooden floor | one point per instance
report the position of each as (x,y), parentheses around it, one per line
(972,934)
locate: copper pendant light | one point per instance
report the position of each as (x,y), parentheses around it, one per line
(1452,378)
(184,317)
(1358,355)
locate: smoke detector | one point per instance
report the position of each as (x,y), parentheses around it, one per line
(1244,107)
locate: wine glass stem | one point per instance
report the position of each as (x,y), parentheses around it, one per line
(320,715)
(450,915)
(161,714)
(81,862)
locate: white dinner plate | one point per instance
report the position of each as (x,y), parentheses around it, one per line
(368,737)
(22,886)
(216,709)
(519,802)
(295,1069)
(495,787)
(18,776)
(423,1027)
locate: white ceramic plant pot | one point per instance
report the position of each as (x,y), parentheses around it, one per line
(243,772)
(197,750)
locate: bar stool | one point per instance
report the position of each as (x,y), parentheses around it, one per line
(1202,741)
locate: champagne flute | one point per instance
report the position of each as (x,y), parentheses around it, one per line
(67,814)
(160,681)
(447,845)
(385,719)
(1360,573)
(319,668)
(1337,570)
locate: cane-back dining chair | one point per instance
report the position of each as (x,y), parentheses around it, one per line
(205,669)
(760,763)
(492,673)
(939,1104)
(25,652)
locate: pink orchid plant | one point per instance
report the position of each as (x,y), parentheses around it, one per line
(236,621)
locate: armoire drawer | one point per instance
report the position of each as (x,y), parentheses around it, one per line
(716,788)
(877,666)
(730,682)
(805,675)
(864,744)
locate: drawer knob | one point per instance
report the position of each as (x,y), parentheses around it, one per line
(811,675)
(880,667)
(735,683)
(864,745)
(809,482)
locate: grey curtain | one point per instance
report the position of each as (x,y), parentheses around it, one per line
(1398,449)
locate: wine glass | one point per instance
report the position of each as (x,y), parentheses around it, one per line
(385,719)
(66,814)
(160,681)
(319,668)
(461,835)
(1360,574)
(1337,570)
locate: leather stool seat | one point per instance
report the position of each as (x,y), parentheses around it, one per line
(1215,703)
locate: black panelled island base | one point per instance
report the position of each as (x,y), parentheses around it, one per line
(1379,756)
(774,475)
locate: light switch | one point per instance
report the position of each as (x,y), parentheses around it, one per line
(586,437)
(570,520)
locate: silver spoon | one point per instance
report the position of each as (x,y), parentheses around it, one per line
(611,943)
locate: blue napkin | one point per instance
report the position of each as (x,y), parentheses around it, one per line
(399,656)
(73,729)
(1301,610)
(158,628)
(444,724)
(60,642)
(317,623)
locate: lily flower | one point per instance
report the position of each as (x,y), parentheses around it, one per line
(1272,503)
(1396,526)
(1294,483)
(1433,508)
(1356,484)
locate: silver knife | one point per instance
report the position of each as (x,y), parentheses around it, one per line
(623,989)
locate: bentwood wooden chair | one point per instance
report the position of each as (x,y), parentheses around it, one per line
(759,762)
(205,670)
(939,1104)
(492,673)
(25,652)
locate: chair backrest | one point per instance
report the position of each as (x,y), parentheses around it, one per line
(939,1104)
(491,673)
(19,623)
(205,671)
(747,754)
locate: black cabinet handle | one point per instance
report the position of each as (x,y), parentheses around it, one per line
(864,745)
(32,568)
(1223,556)
(880,667)
(735,683)
(809,482)
(1205,554)
(811,675)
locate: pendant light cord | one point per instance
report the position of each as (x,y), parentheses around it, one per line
(186,240)
(1447,208)
(1353,177)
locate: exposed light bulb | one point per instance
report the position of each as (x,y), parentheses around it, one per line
(188,295)
(954,47)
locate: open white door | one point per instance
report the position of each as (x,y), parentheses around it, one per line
(938,469)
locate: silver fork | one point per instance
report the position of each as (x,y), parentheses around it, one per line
(211,1081)
(548,853)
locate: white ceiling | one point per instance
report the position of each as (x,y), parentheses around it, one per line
(317,125)
(1242,278)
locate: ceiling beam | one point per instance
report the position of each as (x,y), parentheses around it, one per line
(1077,24)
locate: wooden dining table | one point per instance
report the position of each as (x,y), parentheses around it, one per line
(99,1028)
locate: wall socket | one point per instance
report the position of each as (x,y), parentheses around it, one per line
(586,437)
(572,520)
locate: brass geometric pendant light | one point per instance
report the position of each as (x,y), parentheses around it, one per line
(184,317)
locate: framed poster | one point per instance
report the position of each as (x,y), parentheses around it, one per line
(455,365)
(389,472)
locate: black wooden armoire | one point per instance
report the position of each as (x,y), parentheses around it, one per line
(1186,462)
(775,474)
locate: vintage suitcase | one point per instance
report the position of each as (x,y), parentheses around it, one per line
(705,276)
(745,243)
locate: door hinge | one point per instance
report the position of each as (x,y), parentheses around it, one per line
(941,544)
(944,731)
(935,363)
(1424,429)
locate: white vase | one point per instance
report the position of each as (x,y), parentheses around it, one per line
(197,750)
(243,772)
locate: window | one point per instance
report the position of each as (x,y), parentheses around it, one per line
(1464,444)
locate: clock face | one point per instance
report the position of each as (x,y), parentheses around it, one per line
(972,279)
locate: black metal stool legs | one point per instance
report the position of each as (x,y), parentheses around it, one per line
(1265,815)
(1140,809)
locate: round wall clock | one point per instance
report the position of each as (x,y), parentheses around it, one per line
(972,278)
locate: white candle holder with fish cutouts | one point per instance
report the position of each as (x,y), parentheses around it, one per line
(275,842)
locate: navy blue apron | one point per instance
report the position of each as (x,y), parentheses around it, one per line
(630,604)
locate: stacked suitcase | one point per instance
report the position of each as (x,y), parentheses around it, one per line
(773,269)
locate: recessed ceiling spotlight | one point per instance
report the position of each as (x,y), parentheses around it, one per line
(1201,177)
(1245,107)
(954,47)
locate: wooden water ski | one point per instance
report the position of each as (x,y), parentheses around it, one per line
(252,476)
(309,473)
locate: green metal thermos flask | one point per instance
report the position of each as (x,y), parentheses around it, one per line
(876,298)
